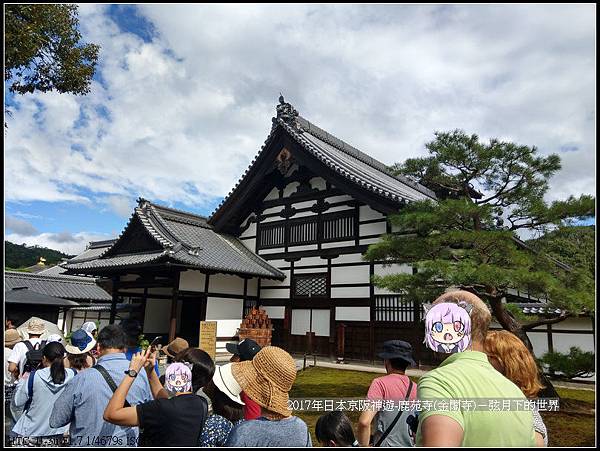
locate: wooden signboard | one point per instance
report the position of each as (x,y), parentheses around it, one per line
(208,337)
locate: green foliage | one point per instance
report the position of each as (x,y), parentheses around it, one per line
(43,49)
(461,240)
(573,245)
(574,364)
(19,256)
(143,343)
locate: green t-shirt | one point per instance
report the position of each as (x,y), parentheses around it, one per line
(469,375)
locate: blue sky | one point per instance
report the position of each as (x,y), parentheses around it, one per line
(183,97)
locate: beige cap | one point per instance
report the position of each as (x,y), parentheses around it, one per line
(36,327)
(11,337)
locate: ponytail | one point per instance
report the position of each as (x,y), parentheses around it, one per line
(55,353)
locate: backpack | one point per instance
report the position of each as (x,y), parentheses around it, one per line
(408,423)
(33,357)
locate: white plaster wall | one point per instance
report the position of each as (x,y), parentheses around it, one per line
(304,214)
(309,261)
(562,342)
(350,292)
(301,322)
(348,258)
(539,341)
(253,286)
(250,231)
(274,311)
(227,328)
(335,199)
(310,270)
(274,283)
(273,194)
(271,219)
(192,281)
(276,209)
(308,247)
(377,228)
(225,284)
(349,274)
(279,263)
(352,313)
(305,204)
(250,244)
(224,308)
(384,270)
(318,183)
(275,250)
(367,213)
(274,293)
(290,188)
(337,244)
(369,241)
(158,313)
(339,208)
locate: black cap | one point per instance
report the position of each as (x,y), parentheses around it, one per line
(397,349)
(246,349)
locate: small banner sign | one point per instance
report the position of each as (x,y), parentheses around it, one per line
(208,337)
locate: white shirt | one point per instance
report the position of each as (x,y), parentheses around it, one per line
(8,377)
(19,352)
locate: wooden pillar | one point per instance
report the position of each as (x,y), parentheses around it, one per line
(115,298)
(174,299)
(372,312)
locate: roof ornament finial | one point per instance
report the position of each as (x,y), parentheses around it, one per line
(286,113)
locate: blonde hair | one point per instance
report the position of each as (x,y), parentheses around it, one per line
(480,314)
(509,355)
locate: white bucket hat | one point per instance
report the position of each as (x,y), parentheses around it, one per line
(224,380)
(81,342)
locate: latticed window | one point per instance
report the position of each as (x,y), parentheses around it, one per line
(310,285)
(394,308)
(303,231)
(338,227)
(272,235)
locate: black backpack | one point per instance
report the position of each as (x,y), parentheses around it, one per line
(33,358)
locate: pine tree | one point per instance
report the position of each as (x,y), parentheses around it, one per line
(468,238)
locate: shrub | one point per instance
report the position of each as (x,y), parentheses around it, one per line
(574,364)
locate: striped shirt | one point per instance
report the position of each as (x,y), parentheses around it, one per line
(84,399)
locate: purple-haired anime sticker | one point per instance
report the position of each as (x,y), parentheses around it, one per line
(178,378)
(448,327)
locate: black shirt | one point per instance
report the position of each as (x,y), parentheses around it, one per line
(177,421)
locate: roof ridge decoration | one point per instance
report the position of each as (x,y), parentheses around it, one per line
(176,215)
(288,114)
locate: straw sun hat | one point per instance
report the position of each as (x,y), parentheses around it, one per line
(11,337)
(268,378)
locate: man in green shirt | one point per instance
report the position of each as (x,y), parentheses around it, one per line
(466,376)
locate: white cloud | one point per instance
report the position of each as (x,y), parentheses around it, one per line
(66,242)
(187,111)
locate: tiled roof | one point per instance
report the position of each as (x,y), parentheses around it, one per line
(74,288)
(93,251)
(186,239)
(340,156)
(27,296)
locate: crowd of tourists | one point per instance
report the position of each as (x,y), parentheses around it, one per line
(100,389)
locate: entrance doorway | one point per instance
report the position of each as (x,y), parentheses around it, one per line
(193,310)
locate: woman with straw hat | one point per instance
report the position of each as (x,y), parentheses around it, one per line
(267,380)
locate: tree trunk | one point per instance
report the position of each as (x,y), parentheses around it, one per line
(509,323)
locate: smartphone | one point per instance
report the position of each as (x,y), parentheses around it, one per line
(155,342)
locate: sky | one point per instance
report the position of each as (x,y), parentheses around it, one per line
(183,97)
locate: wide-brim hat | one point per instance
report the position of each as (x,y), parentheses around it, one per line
(81,342)
(397,349)
(268,378)
(224,380)
(175,347)
(12,337)
(36,327)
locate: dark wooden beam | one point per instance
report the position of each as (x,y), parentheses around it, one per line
(115,299)
(173,319)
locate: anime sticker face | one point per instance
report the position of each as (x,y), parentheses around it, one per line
(178,378)
(448,327)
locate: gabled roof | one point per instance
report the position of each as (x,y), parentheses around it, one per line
(179,238)
(351,164)
(68,287)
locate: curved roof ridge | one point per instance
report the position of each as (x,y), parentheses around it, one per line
(176,214)
(348,149)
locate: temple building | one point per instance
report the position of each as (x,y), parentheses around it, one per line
(289,238)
